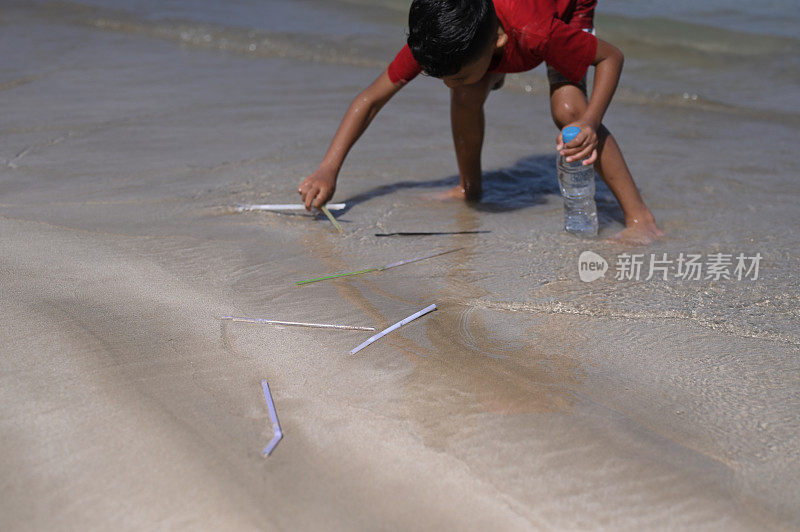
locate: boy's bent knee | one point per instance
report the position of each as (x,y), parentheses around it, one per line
(567,103)
(564,113)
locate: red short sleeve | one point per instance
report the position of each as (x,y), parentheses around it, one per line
(583,17)
(570,50)
(404,67)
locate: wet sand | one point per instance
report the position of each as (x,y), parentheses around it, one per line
(529,400)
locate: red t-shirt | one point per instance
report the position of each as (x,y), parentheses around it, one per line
(538,30)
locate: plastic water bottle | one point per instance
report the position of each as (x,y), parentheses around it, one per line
(577,189)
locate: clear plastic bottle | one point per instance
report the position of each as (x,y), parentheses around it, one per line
(577,189)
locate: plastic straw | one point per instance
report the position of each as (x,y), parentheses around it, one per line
(335,276)
(242,207)
(327,213)
(409,261)
(378,269)
(393,327)
(298,324)
(429,233)
(276,427)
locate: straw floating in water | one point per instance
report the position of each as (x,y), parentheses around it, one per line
(429,233)
(327,213)
(335,276)
(378,269)
(394,327)
(276,427)
(243,207)
(298,324)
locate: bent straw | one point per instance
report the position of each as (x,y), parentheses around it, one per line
(242,207)
(327,213)
(298,324)
(378,269)
(276,427)
(393,327)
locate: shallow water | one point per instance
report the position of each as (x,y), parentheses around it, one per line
(529,399)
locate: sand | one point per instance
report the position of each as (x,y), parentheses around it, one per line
(528,400)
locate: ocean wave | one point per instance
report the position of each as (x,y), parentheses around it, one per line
(651,38)
(665,37)
(536,84)
(739,328)
(342,50)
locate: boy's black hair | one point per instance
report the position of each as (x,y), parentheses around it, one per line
(446,35)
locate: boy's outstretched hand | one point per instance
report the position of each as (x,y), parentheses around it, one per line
(583,147)
(317,188)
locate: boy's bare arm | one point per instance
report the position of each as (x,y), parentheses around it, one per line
(319,187)
(608,66)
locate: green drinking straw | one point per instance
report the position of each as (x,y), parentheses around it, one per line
(338,227)
(335,276)
(378,269)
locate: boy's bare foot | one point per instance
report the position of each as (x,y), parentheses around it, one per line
(457,192)
(638,233)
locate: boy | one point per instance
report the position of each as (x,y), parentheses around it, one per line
(470,45)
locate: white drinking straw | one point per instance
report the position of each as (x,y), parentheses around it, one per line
(298,324)
(242,207)
(393,327)
(276,427)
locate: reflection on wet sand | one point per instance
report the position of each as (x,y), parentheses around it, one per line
(474,361)
(482,362)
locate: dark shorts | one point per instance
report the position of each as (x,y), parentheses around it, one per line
(555,78)
(582,17)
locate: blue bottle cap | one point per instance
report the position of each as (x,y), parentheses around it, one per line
(569,133)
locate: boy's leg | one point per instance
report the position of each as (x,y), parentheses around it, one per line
(467,122)
(567,104)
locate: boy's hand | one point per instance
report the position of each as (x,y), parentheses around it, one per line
(317,188)
(583,147)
